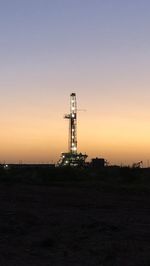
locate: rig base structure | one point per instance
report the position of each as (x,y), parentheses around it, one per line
(72,157)
(75,160)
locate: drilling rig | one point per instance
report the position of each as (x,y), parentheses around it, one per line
(72,157)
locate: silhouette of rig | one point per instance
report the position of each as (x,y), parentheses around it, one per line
(72,157)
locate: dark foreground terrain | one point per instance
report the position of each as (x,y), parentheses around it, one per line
(74,222)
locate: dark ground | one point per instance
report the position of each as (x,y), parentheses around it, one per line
(74,223)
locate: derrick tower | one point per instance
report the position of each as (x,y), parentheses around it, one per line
(72,157)
(72,124)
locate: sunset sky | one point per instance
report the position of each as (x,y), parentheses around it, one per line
(98,49)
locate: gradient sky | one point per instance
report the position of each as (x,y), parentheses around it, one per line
(98,49)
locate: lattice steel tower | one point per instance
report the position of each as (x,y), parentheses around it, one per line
(72,124)
(72,158)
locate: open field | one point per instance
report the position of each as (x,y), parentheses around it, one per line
(74,223)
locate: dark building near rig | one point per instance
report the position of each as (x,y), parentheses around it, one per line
(98,163)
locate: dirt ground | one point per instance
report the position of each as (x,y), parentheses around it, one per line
(73,224)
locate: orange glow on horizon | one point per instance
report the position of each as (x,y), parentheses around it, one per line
(118,139)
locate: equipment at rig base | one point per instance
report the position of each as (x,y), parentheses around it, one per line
(72,158)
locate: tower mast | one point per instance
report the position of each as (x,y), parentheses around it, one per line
(72,158)
(72,124)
